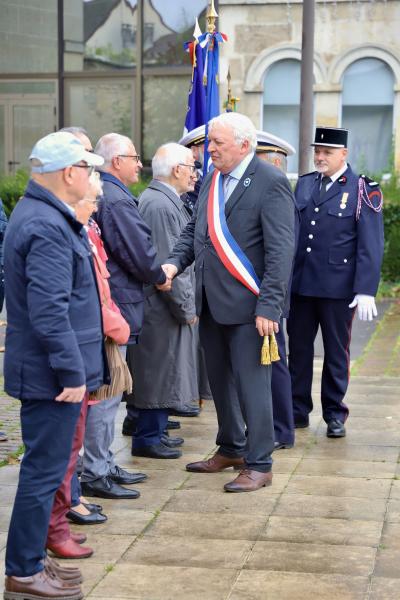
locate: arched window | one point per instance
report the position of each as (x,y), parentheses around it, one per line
(281,103)
(367,112)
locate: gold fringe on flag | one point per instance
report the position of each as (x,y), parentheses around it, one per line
(269,350)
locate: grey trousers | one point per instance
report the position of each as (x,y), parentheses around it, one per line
(98,459)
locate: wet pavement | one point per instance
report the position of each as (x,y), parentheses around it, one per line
(328,527)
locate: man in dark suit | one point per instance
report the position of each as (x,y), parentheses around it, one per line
(259,216)
(337,268)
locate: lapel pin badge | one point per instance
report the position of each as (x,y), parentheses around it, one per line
(247,182)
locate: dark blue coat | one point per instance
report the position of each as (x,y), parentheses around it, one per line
(131,255)
(338,256)
(54,332)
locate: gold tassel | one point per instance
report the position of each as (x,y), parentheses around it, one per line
(265,355)
(274,349)
(269,350)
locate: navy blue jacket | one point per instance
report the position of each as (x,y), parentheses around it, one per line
(132,258)
(338,256)
(54,333)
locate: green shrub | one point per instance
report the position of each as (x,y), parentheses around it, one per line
(12,187)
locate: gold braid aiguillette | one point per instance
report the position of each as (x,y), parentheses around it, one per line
(269,350)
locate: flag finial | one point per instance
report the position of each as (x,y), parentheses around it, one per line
(211,17)
(231,101)
(197,30)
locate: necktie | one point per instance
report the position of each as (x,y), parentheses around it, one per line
(227,188)
(325,181)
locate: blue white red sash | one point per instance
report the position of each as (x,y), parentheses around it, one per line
(227,248)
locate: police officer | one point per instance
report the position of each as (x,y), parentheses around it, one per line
(195,141)
(275,150)
(337,268)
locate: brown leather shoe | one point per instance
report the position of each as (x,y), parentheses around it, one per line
(249,481)
(215,464)
(70,549)
(39,587)
(70,575)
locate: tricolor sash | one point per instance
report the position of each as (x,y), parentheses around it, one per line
(229,252)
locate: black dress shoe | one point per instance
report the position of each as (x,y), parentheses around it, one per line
(94,508)
(186,411)
(92,519)
(156,451)
(104,487)
(129,426)
(119,475)
(335,429)
(173,425)
(171,442)
(282,446)
(301,424)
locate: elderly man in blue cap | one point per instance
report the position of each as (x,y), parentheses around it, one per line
(54,351)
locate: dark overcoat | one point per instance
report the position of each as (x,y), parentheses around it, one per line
(164,363)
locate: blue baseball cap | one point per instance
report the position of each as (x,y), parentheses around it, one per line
(59,150)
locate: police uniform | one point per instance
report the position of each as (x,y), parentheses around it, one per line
(281,386)
(195,137)
(339,255)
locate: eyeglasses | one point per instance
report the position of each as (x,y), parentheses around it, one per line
(95,202)
(191,167)
(90,168)
(136,157)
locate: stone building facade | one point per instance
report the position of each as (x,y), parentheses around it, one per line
(356,70)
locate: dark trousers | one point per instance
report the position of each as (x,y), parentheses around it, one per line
(335,319)
(282,394)
(150,427)
(59,530)
(241,389)
(48,429)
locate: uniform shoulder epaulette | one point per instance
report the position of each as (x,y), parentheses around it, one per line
(307,174)
(370,194)
(370,182)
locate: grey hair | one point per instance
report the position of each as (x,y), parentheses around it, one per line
(243,129)
(167,157)
(111,145)
(271,156)
(75,130)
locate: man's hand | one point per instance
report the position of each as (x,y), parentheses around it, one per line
(192,321)
(166,286)
(169,270)
(266,327)
(366,307)
(73,395)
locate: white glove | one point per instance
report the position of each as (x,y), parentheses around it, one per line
(366,307)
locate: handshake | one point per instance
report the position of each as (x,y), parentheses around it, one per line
(170,271)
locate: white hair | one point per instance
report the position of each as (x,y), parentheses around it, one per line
(111,145)
(243,129)
(169,156)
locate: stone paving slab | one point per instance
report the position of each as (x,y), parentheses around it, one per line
(328,528)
